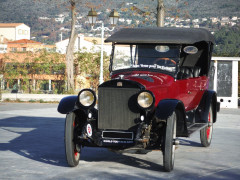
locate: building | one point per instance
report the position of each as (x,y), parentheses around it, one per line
(61,46)
(15,31)
(214,19)
(24,45)
(3,44)
(225,81)
(82,43)
(195,21)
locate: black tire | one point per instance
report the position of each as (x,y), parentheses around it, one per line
(169,145)
(72,149)
(206,133)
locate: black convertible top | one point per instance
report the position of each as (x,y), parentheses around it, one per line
(161,35)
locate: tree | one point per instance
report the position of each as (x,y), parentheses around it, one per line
(160,13)
(227,42)
(88,65)
(34,67)
(70,48)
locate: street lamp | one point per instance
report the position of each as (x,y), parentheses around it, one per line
(114,17)
(92,17)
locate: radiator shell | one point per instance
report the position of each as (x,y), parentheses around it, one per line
(114,108)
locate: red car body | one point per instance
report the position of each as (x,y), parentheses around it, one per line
(158,92)
(189,91)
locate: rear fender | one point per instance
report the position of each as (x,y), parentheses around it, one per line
(67,104)
(209,98)
(166,108)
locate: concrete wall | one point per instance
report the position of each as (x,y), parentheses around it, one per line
(16,33)
(36,97)
(9,33)
(22,32)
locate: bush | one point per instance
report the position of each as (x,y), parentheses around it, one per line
(42,101)
(19,100)
(7,100)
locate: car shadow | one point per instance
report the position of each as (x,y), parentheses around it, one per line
(103,154)
(42,139)
(185,142)
(38,138)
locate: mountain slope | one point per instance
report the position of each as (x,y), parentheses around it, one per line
(23,10)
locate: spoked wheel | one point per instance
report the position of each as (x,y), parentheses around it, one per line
(169,143)
(73,149)
(206,133)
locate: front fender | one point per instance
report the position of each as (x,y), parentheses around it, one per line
(67,104)
(166,108)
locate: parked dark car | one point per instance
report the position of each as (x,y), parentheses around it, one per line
(158,92)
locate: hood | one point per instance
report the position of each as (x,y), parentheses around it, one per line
(146,78)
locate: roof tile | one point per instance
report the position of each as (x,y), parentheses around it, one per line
(10,24)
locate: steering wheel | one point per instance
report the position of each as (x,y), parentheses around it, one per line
(164,59)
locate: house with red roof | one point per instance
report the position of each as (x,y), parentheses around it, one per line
(24,45)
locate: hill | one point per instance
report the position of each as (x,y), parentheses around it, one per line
(27,10)
(32,12)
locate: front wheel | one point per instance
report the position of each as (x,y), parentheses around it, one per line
(169,143)
(72,148)
(206,133)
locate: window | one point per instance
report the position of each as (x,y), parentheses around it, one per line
(24,49)
(145,57)
(22,32)
(13,49)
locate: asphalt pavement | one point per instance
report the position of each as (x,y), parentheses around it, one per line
(32,147)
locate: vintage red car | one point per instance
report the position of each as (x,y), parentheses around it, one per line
(158,92)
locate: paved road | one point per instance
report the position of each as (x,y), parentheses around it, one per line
(32,147)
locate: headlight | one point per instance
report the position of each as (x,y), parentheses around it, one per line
(87,98)
(145,99)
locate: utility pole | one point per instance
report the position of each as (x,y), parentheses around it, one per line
(160,13)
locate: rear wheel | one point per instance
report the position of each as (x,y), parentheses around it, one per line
(206,133)
(169,143)
(72,149)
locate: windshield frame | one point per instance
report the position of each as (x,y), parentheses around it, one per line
(173,74)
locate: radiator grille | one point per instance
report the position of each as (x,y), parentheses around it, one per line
(113,108)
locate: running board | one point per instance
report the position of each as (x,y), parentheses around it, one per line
(194,127)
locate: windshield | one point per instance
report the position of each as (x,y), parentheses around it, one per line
(152,57)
